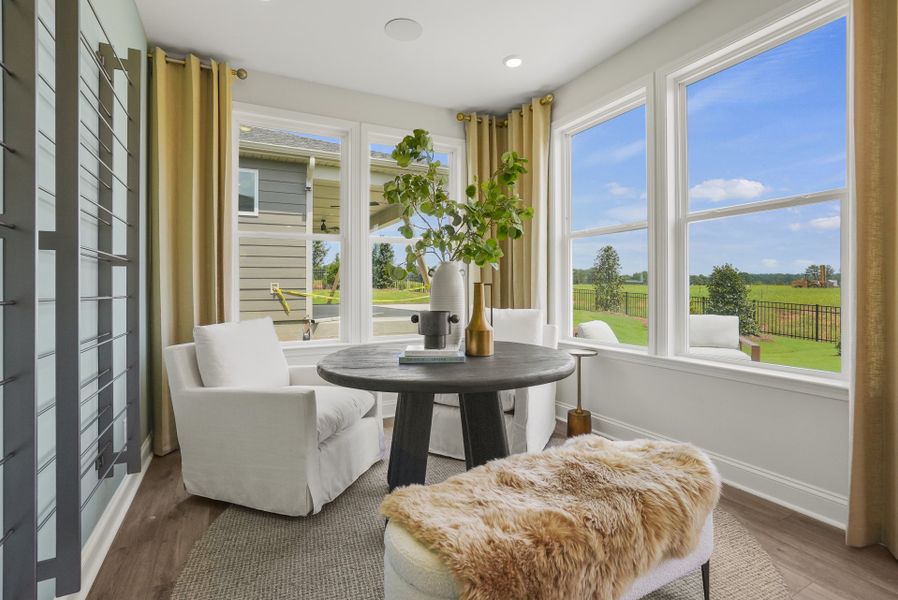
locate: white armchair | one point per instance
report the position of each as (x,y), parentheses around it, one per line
(286,442)
(717,337)
(529,412)
(599,331)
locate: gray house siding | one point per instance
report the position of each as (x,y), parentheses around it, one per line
(282,207)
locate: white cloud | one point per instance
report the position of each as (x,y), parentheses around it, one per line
(627,214)
(826,223)
(618,154)
(794,226)
(718,190)
(770,263)
(621,191)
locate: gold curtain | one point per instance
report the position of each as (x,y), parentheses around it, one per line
(873,499)
(190,207)
(520,281)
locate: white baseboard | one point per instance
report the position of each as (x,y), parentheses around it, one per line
(820,504)
(94,551)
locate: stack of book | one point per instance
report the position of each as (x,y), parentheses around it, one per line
(417,354)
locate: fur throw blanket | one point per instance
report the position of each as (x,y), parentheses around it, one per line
(582,520)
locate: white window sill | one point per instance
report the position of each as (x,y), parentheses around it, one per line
(833,387)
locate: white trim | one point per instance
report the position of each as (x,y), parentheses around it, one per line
(773,32)
(667,189)
(767,205)
(255,211)
(94,551)
(633,95)
(804,498)
(796,380)
(354,237)
(608,230)
(376,134)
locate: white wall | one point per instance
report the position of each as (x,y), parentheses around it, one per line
(285,93)
(784,440)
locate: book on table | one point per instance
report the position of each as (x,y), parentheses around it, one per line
(420,350)
(417,354)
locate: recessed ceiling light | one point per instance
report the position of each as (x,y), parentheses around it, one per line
(513,62)
(403,30)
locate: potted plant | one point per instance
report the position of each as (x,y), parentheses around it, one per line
(454,232)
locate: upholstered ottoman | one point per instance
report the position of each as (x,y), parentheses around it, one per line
(412,572)
(592,518)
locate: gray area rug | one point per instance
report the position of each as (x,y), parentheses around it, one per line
(338,553)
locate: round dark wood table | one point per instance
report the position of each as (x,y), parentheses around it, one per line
(477,382)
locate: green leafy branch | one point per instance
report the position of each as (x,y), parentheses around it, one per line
(450,230)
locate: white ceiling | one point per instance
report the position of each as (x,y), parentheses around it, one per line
(456,63)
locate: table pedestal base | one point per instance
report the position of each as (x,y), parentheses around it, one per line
(482,425)
(411,439)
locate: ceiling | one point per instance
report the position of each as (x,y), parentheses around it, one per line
(456,63)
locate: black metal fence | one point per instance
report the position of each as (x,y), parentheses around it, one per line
(818,322)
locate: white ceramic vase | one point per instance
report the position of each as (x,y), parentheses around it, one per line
(447,292)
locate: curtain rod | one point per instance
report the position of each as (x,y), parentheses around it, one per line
(238,73)
(547,99)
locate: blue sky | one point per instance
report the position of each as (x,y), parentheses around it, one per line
(769,127)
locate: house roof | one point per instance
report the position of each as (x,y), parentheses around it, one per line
(288,139)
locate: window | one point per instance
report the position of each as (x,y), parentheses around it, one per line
(393,300)
(317,247)
(749,222)
(609,227)
(766,154)
(289,223)
(248,192)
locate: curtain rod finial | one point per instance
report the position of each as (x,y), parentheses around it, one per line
(461,117)
(241,74)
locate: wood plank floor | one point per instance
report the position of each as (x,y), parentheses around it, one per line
(164,522)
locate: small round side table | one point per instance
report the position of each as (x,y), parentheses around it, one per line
(579,421)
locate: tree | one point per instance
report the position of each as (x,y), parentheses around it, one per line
(331,271)
(607,280)
(382,258)
(319,253)
(728,295)
(812,273)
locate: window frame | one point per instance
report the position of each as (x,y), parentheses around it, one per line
(455,149)
(356,322)
(783,30)
(668,210)
(348,133)
(255,211)
(627,99)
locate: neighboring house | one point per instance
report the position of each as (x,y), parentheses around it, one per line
(291,183)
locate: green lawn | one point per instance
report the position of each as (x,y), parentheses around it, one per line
(769,293)
(777,350)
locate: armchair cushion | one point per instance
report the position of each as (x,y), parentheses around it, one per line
(246,354)
(524,326)
(339,408)
(599,331)
(714,331)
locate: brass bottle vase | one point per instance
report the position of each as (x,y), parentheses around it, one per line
(479,332)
